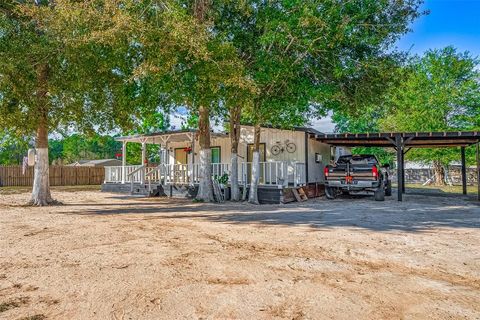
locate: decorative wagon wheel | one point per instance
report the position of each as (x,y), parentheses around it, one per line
(275,150)
(291,147)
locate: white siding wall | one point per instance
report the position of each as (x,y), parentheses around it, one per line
(270,136)
(315,170)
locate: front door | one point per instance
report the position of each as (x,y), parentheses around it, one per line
(250,148)
(180,156)
(180,170)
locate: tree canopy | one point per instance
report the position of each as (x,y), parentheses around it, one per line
(302,54)
(439,91)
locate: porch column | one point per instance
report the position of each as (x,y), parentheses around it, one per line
(144,157)
(124,161)
(167,153)
(464,171)
(398,144)
(168,168)
(144,152)
(192,173)
(160,153)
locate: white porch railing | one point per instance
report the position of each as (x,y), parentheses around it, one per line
(271,173)
(115,174)
(279,173)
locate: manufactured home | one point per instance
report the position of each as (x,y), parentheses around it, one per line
(288,159)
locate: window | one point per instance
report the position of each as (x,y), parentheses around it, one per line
(216,158)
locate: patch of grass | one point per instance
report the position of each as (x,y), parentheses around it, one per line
(5,306)
(34,317)
(19,190)
(448,189)
(8,305)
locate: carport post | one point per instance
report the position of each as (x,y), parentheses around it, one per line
(478,170)
(398,144)
(464,171)
(403,171)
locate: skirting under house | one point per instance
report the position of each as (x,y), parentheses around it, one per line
(266,195)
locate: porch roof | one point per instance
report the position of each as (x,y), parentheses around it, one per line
(166,136)
(187,135)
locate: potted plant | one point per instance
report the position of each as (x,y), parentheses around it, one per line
(222,182)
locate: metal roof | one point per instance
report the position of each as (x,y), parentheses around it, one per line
(409,139)
(185,135)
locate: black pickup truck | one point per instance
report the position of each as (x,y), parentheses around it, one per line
(353,173)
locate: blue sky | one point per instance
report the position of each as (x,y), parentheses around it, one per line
(450,22)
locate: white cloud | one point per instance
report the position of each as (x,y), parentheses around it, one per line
(324,125)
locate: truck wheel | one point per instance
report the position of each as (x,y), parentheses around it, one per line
(388,189)
(380,193)
(330,193)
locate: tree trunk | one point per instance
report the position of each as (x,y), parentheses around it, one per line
(253,195)
(234,139)
(41,182)
(439,173)
(205,187)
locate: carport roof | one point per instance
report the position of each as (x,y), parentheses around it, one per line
(410,139)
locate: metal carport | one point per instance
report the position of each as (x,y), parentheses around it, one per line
(403,142)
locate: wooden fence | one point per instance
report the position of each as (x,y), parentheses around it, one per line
(59,176)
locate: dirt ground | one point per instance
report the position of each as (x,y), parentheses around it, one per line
(104,256)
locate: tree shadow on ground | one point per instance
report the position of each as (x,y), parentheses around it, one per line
(416,214)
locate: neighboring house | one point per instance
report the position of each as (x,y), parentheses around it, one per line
(96,163)
(289,158)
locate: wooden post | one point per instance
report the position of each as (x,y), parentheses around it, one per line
(478,170)
(464,171)
(403,171)
(124,161)
(398,143)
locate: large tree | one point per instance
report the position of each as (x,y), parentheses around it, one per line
(304,55)
(440,92)
(75,64)
(40,83)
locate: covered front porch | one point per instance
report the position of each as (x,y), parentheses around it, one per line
(179,166)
